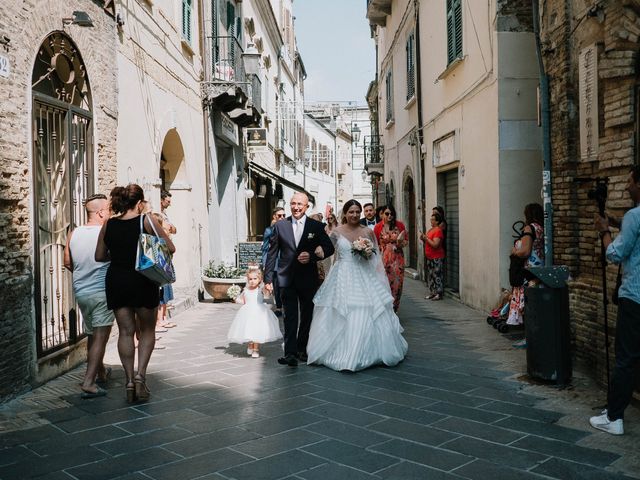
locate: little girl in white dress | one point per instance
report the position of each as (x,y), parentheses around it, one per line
(254,323)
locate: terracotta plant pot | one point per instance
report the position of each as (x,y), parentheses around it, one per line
(217,287)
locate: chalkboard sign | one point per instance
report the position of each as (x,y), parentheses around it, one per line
(249,253)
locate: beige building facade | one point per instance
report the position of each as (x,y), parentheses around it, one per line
(472,130)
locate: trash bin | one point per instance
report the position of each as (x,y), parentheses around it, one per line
(546,314)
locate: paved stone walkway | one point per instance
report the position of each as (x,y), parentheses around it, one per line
(455,408)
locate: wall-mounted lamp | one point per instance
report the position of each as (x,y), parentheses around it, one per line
(308,154)
(596,11)
(119,20)
(364,175)
(79,18)
(248,193)
(251,58)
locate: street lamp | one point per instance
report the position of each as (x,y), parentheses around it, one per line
(364,175)
(308,153)
(355,133)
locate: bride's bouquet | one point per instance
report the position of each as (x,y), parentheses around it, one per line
(363,247)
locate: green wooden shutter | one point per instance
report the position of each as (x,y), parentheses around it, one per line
(454,30)
(186,19)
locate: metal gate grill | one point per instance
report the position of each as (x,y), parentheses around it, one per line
(448,191)
(62,160)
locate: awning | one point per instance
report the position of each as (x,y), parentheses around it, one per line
(283,181)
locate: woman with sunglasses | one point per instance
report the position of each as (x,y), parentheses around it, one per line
(392,237)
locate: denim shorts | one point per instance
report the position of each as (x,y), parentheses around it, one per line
(95,313)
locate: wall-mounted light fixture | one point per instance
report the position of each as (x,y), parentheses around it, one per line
(79,18)
(251,58)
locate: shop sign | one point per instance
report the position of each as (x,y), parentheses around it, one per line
(226,130)
(257,140)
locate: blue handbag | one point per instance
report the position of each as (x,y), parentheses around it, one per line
(153,258)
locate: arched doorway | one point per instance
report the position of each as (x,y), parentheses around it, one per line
(409,201)
(174,179)
(63,177)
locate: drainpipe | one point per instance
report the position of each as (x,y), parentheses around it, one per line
(546,141)
(423,200)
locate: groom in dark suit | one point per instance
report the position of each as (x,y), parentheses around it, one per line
(295,240)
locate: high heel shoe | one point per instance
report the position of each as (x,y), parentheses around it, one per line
(142,391)
(130,390)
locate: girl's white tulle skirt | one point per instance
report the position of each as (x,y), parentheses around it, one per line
(254,322)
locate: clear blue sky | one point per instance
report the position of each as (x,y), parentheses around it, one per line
(336,47)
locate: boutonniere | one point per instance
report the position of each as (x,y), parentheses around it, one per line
(310,236)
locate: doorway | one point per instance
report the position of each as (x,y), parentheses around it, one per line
(449,200)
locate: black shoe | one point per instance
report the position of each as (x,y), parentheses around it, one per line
(302,357)
(288,360)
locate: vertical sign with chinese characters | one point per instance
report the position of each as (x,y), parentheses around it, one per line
(588,81)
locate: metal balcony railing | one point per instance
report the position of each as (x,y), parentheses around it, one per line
(373,149)
(226,59)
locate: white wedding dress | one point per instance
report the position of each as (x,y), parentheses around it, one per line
(354,325)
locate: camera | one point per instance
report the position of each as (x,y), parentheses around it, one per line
(599,194)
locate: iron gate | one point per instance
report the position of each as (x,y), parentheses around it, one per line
(62,156)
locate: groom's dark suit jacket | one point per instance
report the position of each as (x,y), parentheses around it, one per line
(289,270)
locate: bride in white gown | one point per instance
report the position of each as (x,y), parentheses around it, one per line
(354,325)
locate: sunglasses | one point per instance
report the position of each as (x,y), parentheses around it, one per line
(388,214)
(280,215)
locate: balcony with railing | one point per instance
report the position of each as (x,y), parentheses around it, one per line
(227,87)
(373,155)
(377,11)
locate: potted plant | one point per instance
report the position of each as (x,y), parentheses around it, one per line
(217,277)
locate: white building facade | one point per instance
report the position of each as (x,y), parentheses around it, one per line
(160,138)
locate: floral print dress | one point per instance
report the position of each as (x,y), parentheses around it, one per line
(536,258)
(393,260)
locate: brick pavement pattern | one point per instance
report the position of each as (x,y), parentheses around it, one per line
(447,412)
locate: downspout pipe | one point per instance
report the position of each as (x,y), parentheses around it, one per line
(546,141)
(423,199)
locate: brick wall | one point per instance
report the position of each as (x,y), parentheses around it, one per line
(565,30)
(27,23)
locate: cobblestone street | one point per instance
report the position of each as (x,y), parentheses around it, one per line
(457,407)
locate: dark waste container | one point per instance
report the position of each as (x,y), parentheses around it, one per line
(546,314)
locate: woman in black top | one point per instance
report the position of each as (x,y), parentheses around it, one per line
(129,293)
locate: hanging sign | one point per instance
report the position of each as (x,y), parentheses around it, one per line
(257,140)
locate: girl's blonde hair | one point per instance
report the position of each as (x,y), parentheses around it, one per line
(254,269)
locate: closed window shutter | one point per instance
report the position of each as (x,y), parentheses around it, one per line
(457,15)
(454,30)
(411,84)
(186,20)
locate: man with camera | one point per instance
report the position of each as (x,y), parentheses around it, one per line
(625,250)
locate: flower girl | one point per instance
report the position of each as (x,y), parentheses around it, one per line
(255,322)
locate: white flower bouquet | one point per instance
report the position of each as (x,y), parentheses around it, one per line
(234,292)
(363,247)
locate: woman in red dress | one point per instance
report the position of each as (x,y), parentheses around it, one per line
(392,237)
(434,253)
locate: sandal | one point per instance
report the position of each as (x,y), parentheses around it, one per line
(130,390)
(429,297)
(437,297)
(142,391)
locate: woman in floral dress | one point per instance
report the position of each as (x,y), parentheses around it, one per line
(531,247)
(392,237)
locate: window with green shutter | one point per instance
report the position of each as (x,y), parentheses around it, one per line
(454,30)
(187,11)
(389,95)
(411,65)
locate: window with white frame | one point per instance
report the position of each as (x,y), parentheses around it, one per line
(411,65)
(187,19)
(389,95)
(454,30)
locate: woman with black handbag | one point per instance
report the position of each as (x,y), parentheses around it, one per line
(527,251)
(130,294)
